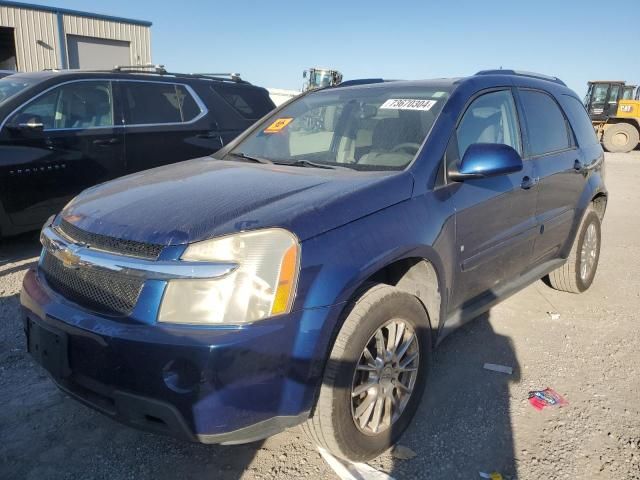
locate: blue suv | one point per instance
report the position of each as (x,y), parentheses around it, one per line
(303,273)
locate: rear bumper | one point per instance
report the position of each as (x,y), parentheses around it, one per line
(213,385)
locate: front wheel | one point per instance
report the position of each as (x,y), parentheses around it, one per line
(577,274)
(375,375)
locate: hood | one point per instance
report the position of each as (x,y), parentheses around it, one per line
(204,198)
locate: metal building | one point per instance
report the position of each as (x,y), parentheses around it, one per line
(34,37)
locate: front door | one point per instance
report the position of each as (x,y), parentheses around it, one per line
(60,143)
(495,217)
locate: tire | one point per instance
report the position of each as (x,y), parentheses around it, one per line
(620,138)
(332,425)
(571,277)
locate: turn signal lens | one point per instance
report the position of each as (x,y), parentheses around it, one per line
(286,282)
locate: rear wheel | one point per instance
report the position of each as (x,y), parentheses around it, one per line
(375,375)
(577,274)
(621,138)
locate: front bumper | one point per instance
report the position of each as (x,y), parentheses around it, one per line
(207,384)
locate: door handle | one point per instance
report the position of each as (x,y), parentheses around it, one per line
(528,182)
(208,135)
(106,141)
(578,166)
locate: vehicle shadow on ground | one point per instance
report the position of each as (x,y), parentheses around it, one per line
(463,425)
(17,249)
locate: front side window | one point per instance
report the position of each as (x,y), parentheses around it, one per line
(365,128)
(76,105)
(546,125)
(491,118)
(158,103)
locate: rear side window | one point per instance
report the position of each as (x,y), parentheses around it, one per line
(580,121)
(158,103)
(546,124)
(251,103)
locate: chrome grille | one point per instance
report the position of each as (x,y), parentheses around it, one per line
(110,244)
(100,291)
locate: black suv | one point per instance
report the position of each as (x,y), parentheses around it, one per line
(61,132)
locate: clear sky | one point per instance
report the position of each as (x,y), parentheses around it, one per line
(271,42)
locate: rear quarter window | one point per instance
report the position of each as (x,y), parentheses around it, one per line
(250,103)
(546,124)
(580,121)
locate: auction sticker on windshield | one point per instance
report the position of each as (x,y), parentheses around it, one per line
(278,125)
(407,104)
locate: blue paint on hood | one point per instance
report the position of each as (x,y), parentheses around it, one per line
(204,198)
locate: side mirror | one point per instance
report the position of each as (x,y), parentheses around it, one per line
(482,160)
(27,124)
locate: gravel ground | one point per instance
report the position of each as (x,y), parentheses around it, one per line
(471,419)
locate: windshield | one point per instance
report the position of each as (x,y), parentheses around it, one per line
(371,128)
(12,85)
(320,79)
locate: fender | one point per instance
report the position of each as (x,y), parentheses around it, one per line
(594,187)
(370,244)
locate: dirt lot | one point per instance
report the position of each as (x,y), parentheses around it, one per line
(471,419)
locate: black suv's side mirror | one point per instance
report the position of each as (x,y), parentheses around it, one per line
(26,124)
(482,160)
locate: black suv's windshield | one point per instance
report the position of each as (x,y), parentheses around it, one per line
(12,85)
(371,128)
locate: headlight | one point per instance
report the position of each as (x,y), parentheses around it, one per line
(263,284)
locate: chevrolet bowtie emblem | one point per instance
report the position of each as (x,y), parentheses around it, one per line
(69,259)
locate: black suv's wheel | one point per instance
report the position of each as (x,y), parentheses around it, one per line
(375,375)
(577,274)
(621,138)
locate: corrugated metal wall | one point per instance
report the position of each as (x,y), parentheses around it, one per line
(31,26)
(37,39)
(138,36)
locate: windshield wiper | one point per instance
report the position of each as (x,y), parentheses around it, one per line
(250,158)
(309,163)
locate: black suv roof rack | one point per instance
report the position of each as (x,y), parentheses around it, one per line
(521,73)
(156,69)
(161,70)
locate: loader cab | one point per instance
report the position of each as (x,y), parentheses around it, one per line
(602,98)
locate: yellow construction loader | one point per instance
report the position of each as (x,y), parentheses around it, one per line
(614,109)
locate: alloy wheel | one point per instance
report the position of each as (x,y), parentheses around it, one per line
(385,377)
(588,252)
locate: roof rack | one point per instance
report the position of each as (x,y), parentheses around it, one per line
(138,68)
(521,73)
(152,69)
(233,76)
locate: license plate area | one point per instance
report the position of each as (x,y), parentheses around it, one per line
(49,347)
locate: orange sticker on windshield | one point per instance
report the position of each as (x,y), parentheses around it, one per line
(278,125)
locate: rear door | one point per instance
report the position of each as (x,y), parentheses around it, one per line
(495,217)
(165,123)
(61,142)
(559,164)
